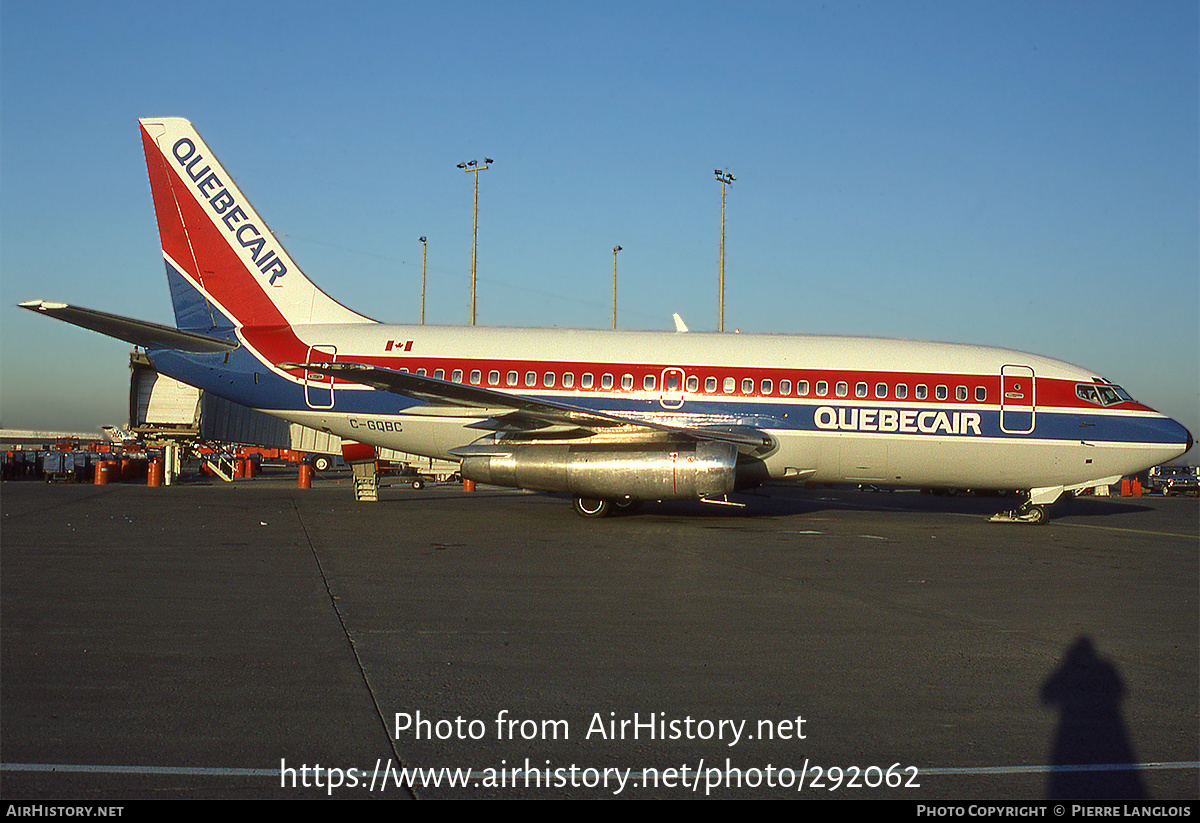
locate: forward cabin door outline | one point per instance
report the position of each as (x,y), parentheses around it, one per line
(1018,400)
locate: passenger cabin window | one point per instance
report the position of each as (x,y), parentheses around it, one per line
(440,374)
(512,378)
(922,392)
(476,376)
(548,379)
(457,376)
(802,388)
(710,384)
(980,393)
(493,378)
(960,393)
(860,390)
(648,382)
(728,385)
(626,382)
(568,380)
(785,386)
(842,389)
(747,385)
(530,378)
(606,382)
(822,388)
(766,386)
(881,390)
(693,383)
(587,380)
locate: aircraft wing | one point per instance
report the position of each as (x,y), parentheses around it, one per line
(529,413)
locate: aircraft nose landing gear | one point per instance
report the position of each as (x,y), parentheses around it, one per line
(1029,513)
(1035,509)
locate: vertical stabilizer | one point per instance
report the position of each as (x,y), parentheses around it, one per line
(224,265)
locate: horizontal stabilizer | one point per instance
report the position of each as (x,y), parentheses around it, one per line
(137,332)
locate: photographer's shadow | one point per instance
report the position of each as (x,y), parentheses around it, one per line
(1091,756)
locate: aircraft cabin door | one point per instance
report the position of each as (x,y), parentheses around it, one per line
(318,388)
(672,389)
(1018,402)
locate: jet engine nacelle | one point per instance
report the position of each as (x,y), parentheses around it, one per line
(683,471)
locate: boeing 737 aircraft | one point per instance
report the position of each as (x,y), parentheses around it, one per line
(611,417)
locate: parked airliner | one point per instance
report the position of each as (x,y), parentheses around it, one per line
(611,417)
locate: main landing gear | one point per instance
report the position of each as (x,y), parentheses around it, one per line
(593,507)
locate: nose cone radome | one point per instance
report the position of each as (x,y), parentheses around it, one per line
(1182,436)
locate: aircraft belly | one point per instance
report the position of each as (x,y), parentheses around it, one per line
(864,458)
(797,457)
(428,437)
(984,462)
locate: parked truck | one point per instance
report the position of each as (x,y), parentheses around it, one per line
(1173,480)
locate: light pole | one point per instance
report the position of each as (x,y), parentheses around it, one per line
(615,250)
(476,167)
(424,259)
(725,178)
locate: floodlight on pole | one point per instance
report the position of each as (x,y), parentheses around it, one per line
(725,178)
(475,167)
(424,260)
(615,250)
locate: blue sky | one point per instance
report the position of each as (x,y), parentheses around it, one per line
(1019,174)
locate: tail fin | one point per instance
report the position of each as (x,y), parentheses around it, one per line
(224,265)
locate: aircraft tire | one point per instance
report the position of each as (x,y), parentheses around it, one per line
(591,507)
(1038,515)
(418,484)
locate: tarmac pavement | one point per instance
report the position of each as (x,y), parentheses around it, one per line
(255,640)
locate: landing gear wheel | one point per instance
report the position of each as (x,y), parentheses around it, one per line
(419,483)
(591,507)
(1035,514)
(628,504)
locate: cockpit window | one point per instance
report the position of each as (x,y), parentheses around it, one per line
(1102,395)
(1113,394)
